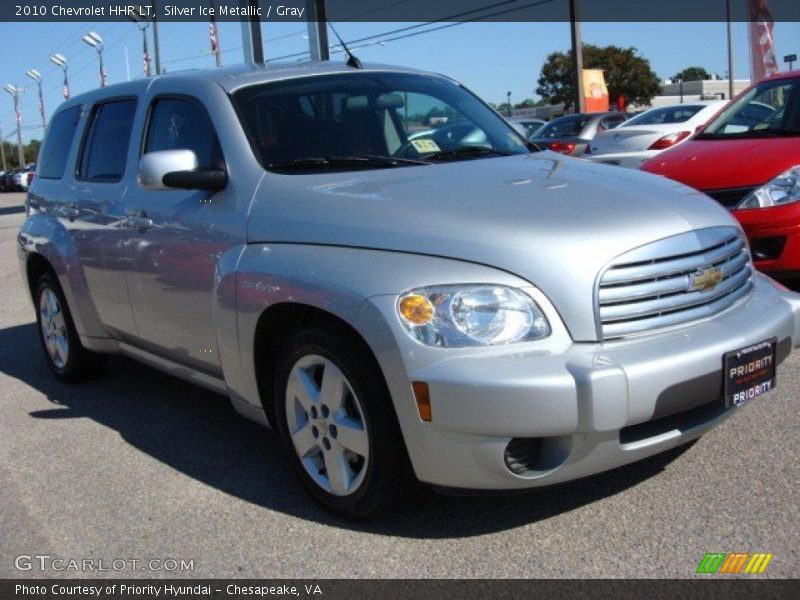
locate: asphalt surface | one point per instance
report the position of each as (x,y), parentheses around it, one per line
(138,465)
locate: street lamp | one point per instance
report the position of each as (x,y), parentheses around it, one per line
(37,77)
(95,41)
(508,99)
(61,61)
(15,91)
(139,21)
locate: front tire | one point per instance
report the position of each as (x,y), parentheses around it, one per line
(65,355)
(338,426)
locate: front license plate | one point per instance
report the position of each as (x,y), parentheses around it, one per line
(749,372)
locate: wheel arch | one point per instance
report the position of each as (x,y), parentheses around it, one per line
(276,325)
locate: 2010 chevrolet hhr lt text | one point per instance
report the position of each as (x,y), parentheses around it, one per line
(375,264)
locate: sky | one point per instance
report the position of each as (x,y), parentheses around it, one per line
(489,58)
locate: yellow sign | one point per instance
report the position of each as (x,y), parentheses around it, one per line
(595,91)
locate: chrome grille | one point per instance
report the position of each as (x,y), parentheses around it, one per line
(651,287)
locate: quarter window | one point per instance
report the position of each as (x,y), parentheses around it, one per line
(53,159)
(105,151)
(179,124)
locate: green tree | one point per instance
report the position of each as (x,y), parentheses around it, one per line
(692,74)
(626,73)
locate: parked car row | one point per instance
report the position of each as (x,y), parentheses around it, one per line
(17,180)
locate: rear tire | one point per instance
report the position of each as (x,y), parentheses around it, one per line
(337,424)
(65,355)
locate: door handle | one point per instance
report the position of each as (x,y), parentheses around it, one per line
(140,221)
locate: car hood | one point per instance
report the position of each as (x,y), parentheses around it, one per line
(553,220)
(726,164)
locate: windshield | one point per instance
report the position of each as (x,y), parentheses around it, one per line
(663,116)
(370,120)
(769,109)
(569,126)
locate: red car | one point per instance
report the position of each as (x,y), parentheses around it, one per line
(748,159)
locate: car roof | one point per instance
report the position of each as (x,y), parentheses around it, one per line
(238,76)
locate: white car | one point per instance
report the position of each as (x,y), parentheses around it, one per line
(653,131)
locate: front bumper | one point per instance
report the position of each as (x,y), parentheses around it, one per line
(583,408)
(778,228)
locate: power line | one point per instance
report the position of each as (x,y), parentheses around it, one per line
(432,29)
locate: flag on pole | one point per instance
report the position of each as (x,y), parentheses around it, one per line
(762,43)
(146,60)
(65,89)
(41,107)
(19,118)
(103,78)
(212,36)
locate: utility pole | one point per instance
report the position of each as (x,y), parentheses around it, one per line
(577,55)
(37,77)
(508,102)
(252,44)
(317,30)
(730,49)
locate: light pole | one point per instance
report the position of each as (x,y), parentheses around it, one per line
(95,41)
(37,77)
(3,150)
(508,101)
(61,61)
(14,91)
(156,47)
(138,19)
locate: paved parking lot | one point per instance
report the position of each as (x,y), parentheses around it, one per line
(141,466)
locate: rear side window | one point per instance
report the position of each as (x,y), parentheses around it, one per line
(53,160)
(182,124)
(105,149)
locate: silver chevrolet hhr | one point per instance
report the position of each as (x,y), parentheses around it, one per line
(375,264)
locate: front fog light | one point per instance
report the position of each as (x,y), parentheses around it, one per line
(472,315)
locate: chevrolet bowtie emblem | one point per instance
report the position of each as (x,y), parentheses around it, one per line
(705,279)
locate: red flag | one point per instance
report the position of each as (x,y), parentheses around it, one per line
(762,44)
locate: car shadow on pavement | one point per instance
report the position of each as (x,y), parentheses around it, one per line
(198,433)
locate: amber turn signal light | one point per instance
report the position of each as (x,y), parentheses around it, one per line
(416,309)
(423,398)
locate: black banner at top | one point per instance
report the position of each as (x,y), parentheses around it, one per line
(399,10)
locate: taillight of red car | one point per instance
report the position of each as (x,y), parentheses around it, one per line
(30,177)
(668,141)
(562,147)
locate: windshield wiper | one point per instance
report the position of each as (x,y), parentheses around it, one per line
(326,162)
(465,152)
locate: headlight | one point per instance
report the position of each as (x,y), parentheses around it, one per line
(785,188)
(471,315)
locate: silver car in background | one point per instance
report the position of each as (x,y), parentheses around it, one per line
(481,315)
(650,133)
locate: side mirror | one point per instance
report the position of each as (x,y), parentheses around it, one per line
(699,129)
(171,169)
